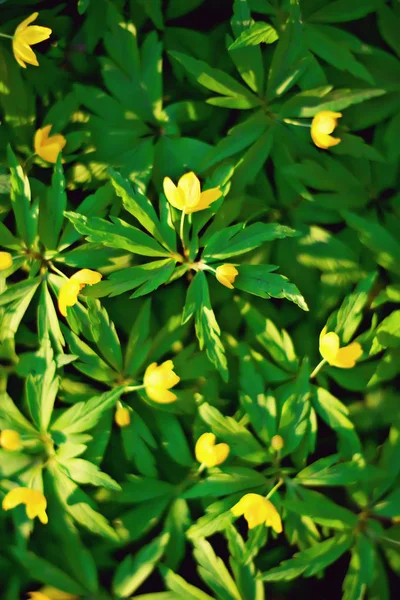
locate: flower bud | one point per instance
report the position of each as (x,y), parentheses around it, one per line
(277,443)
(122,417)
(6,261)
(10,440)
(226,275)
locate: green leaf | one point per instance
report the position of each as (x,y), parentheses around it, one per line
(341,11)
(388,24)
(323,472)
(51,208)
(311,561)
(227,481)
(136,203)
(321,509)
(83,471)
(207,328)
(258,280)
(257,33)
(12,418)
(138,339)
(361,570)
(139,445)
(20,195)
(239,239)
(277,343)
(117,234)
(42,388)
(104,334)
(134,570)
(42,570)
(216,80)
(20,290)
(242,443)
(173,439)
(85,415)
(214,572)
(310,102)
(182,589)
(378,239)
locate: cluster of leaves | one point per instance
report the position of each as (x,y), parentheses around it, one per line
(146,89)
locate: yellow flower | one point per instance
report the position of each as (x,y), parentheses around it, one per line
(46,146)
(25,37)
(158,380)
(187,196)
(322,125)
(226,275)
(329,347)
(49,593)
(122,417)
(10,440)
(277,443)
(6,260)
(209,453)
(68,294)
(34,500)
(257,510)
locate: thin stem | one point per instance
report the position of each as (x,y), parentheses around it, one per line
(200,469)
(297,123)
(317,368)
(181,228)
(133,388)
(276,487)
(54,268)
(5,35)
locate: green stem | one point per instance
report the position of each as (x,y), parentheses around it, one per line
(181,229)
(5,35)
(134,388)
(276,487)
(297,123)
(200,469)
(317,368)
(53,268)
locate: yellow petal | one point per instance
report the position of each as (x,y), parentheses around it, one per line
(346,357)
(68,295)
(86,277)
(15,497)
(189,185)
(244,503)
(204,449)
(221,452)
(273,517)
(34,35)
(173,194)
(329,346)
(324,141)
(43,518)
(49,152)
(55,594)
(206,199)
(26,22)
(6,261)
(24,53)
(161,395)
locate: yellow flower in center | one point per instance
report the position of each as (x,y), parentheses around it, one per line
(322,125)
(158,380)
(226,275)
(25,37)
(257,510)
(10,440)
(329,347)
(6,260)
(48,146)
(38,596)
(187,196)
(209,453)
(68,294)
(34,500)
(122,417)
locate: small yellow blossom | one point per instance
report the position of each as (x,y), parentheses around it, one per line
(226,275)
(6,261)
(10,440)
(209,453)
(68,294)
(322,125)
(25,37)
(34,500)
(38,596)
(48,146)
(158,380)
(122,417)
(187,196)
(257,510)
(329,347)
(277,443)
